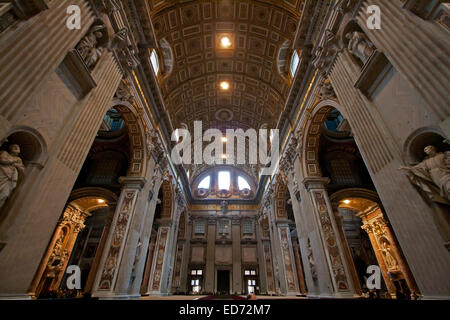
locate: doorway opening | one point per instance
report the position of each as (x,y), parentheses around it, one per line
(223,282)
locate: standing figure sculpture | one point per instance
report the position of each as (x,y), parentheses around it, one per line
(432,175)
(389,258)
(10,166)
(359,45)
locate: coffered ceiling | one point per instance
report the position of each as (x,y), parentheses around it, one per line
(255,65)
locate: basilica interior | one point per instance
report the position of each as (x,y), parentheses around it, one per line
(350,96)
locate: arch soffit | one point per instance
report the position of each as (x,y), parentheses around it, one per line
(311,138)
(86,199)
(359,199)
(136,134)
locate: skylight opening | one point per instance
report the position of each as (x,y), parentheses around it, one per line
(154,61)
(294,63)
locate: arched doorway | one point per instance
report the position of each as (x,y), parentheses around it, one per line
(78,240)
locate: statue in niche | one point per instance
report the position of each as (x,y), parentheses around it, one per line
(388,255)
(432,175)
(224,207)
(10,166)
(359,45)
(89,48)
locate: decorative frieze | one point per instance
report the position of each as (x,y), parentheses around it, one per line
(163,233)
(312,263)
(331,242)
(287,258)
(269,268)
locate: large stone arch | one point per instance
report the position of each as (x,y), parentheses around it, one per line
(136,133)
(311,139)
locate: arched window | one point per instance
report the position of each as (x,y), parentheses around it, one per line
(224,180)
(294,63)
(242,183)
(154,61)
(205,183)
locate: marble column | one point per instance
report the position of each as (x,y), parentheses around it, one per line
(185,265)
(149,263)
(161,263)
(106,280)
(210,257)
(288,278)
(299,268)
(143,260)
(337,264)
(172,248)
(178,262)
(262,268)
(274,248)
(347,252)
(237,255)
(98,254)
(131,266)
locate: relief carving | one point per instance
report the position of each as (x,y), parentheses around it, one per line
(89,47)
(312,263)
(360,46)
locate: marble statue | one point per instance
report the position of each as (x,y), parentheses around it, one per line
(432,175)
(10,166)
(389,258)
(359,45)
(224,207)
(89,48)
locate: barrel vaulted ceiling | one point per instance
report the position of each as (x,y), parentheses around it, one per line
(256,65)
